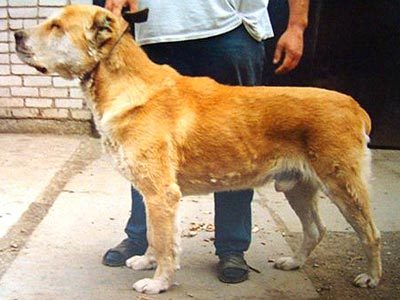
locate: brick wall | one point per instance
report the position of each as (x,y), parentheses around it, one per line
(30,101)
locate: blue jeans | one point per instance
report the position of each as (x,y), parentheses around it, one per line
(232,58)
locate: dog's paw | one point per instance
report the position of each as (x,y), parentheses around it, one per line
(364,280)
(287,263)
(142,262)
(150,286)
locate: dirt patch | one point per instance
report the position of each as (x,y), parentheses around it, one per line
(339,258)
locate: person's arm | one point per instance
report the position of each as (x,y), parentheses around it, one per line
(115,6)
(289,48)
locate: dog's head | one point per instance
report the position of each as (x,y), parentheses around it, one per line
(71,42)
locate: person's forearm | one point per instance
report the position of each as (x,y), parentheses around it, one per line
(298,13)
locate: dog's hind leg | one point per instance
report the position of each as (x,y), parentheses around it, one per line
(303,199)
(350,194)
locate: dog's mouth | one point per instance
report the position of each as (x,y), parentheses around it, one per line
(27,56)
(42,70)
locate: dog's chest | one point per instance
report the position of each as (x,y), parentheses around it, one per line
(118,157)
(110,146)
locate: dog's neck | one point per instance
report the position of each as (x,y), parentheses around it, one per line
(125,57)
(124,78)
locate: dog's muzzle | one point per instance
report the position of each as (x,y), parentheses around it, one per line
(24,52)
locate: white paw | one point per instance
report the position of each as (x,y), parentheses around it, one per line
(365,280)
(287,263)
(142,262)
(150,286)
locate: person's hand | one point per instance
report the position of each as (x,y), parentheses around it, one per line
(115,6)
(289,50)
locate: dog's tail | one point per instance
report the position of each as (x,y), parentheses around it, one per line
(366,172)
(367,121)
(363,116)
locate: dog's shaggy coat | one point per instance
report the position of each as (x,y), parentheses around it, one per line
(172,135)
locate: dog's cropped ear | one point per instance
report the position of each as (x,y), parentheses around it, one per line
(103,27)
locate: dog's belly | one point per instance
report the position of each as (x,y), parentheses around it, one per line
(225,167)
(190,184)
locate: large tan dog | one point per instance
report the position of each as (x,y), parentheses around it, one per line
(173,135)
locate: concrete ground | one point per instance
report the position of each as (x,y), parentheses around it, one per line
(62,206)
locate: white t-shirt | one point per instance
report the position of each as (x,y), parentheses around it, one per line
(180,20)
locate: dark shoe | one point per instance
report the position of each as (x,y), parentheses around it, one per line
(232,268)
(116,257)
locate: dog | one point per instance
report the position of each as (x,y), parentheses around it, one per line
(172,135)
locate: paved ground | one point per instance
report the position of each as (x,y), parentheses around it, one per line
(24,175)
(62,206)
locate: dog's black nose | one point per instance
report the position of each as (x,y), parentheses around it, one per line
(19,35)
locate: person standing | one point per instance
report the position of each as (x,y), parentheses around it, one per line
(221,39)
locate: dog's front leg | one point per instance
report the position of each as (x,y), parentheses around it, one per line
(161,209)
